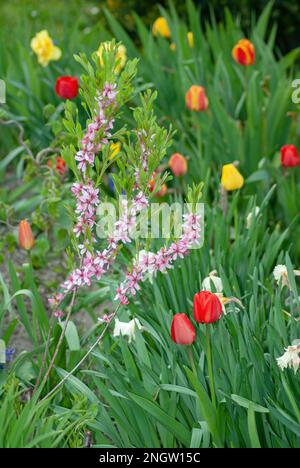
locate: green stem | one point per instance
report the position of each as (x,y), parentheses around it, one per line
(210,367)
(191,358)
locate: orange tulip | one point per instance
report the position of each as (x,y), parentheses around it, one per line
(151,185)
(196,99)
(26,239)
(243,52)
(178,164)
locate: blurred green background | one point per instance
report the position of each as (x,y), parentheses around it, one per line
(16,14)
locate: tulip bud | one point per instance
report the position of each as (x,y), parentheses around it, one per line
(182,330)
(231,178)
(243,52)
(178,164)
(207,307)
(190,38)
(196,99)
(289,156)
(160,27)
(26,239)
(66,87)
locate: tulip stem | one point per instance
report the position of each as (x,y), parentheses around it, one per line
(210,367)
(191,358)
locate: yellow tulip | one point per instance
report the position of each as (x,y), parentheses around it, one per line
(190,38)
(120,55)
(160,27)
(115,149)
(42,45)
(231,178)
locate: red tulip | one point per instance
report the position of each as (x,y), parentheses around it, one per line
(178,164)
(66,87)
(182,330)
(243,52)
(289,156)
(207,307)
(26,239)
(60,165)
(195,98)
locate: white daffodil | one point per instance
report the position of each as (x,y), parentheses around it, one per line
(127,328)
(290,358)
(281,275)
(249,218)
(212,283)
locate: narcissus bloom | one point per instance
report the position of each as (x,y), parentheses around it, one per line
(182,330)
(66,87)
(26,239)
(120,55)
(42,45)
(207,307)
(289,156)
(196,99)
(127,329)
(161,28)
(212,283)
(115,149)
(243,52)
(178,164)
(231,178)
(281,275)
(290,358)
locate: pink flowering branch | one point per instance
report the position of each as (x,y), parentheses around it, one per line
(149,263)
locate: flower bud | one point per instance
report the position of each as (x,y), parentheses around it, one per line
(182,330)
(243,52)
(26,239)
(207,307)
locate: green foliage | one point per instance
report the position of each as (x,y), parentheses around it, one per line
(149,385)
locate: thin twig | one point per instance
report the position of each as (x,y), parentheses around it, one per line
(21,134)
(84,357)
(62,335)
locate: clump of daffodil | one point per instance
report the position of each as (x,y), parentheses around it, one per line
(120,55)
(42,45)
(115,149)
(231,178)
(161,28)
